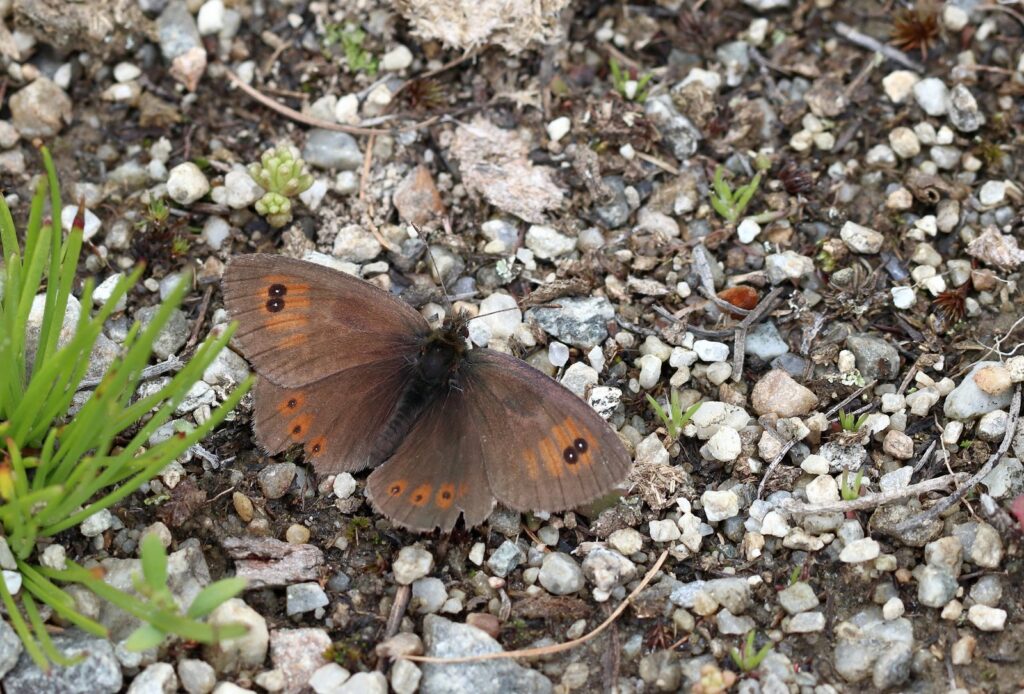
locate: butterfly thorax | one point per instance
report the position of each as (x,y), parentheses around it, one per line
(442,351)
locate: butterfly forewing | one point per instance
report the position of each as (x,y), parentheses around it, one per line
(300,322)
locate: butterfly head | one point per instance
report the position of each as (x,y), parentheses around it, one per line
(442,350)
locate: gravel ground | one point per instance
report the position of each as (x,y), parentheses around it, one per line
(848,494)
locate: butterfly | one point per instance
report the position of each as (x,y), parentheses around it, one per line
(359,379)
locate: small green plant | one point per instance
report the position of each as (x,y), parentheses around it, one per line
(851,422)
(674,420)
(729,203)
(58,470)
(749,659)
(632,87)
(283,174)
(849,491)
(794,575)
(351,39)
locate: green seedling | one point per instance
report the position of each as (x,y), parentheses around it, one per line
(674,419)
(729,203)
(351,39)
(632,88)
(850,421)
(849,491)
(750,659)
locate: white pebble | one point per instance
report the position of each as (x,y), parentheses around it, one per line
(711,351)
(748,230)
(398,58)
(558,354)
(210,19)
(344,485)
(650,371)
(559,128)
(725,445)
(187,183)
(126,72)
(992,193)
(903,297)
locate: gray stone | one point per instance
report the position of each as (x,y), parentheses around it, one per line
(412,564)
(981,542)
(172,336)
(935,586)
(661,670)
(504,559)
(97,673)
(581,322)
(606,569)
(731,593)
(969,400)
(988,590)
(560,574)
(177,31)
(365,683)
(428,595)
(276,478)
(10,648)
(305,597)
(327,149)
(876,358)
(196,676)
(41,109)
(445,639)
(765,342)
(677,130)
(963,110)
(892,667)
(613,212)
(798,597)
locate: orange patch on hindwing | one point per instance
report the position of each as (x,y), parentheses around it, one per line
(421,494)
(445,496)
(299,426)
(532,470)
(316,446)
(396,488)
(291,403)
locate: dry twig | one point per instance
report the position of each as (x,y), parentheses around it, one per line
(942,506)
(556,648)
(872,500)
(873,44)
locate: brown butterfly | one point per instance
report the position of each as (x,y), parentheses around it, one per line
(360,380)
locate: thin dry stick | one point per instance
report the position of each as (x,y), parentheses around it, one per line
(173,363)
(398,608)
(939,508)
(548,650)
(873,44)
(316,122)
(872,500)
(739,342)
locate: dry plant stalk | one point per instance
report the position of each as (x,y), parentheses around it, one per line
(549,650)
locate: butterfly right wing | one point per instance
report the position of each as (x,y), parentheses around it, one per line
(300,322)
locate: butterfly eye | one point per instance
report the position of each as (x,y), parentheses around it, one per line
(275,305)
(292,403)
(297,429)
(277,290)
(580,445)
(570,455)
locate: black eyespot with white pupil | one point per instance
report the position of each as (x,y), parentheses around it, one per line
(572,453)
(275,303)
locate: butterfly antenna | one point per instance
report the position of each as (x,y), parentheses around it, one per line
(433,264)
